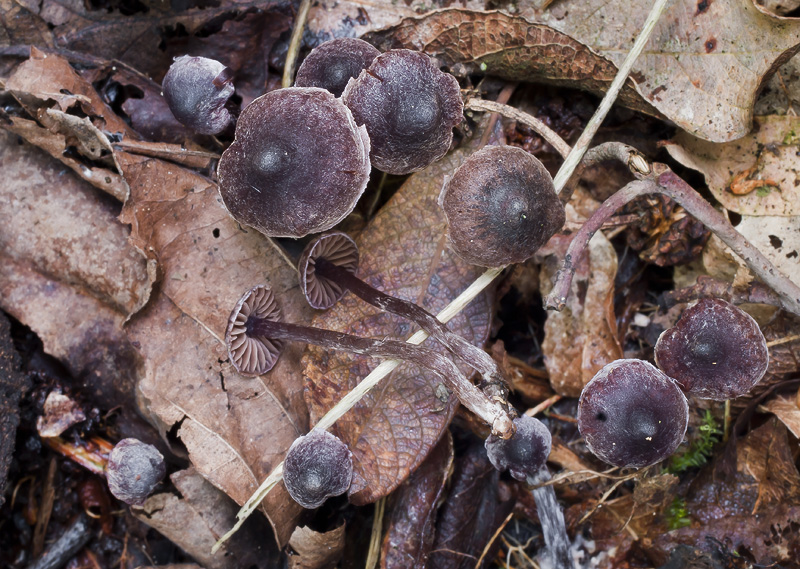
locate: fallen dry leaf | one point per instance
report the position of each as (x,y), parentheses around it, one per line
(236,429)
(404,253)
(582,338)
(410,526)
(785,409)
(68,272)
(316,550)
(767,159)
(195,520)
(694,69)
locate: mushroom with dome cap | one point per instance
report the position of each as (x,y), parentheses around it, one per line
(501,207)
(196,90)
(298,163)
(332,64)
(318,465)
(715,351)
(631,414)
(409,108)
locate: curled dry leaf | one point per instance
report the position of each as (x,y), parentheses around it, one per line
(787,410)
(582,338)
(403,253)
(410,526)
(765,162)
(689,71)
(316,550)
(195,519)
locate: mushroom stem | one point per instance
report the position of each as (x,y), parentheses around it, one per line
(470,396)
(664,181)
(472,355)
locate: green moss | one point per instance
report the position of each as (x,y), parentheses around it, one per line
(677,514)
(700,450)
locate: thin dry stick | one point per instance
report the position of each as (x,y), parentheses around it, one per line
(670,185)
(784,340)
(491,540)
(574,158)
(532,122)
(354,396)
(374,551)
(294,43)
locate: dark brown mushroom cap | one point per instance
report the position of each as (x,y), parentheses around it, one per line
(253,355)
(196,90)
(298,164)
(133,470)
(337,248)
(501,207)
(715,351)
(409,108)
(525,453)
(317,466)
(332,64)
(632,415)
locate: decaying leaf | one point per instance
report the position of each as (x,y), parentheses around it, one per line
(410,528)
(703,79)
(582,338)
(755,175)
(475,507)
(68,272)
(236,429)
(316,550)
(404,253)
(196,519)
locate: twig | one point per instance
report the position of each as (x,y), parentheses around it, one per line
(488,545)
(631,158)
(667,183)
(574,158)
(66,546)
(532,122)
(374,551)
(294,43)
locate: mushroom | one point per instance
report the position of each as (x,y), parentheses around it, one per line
(133,470)
(409,108)
(196,90)
(631,414)
(332,64)
(318,465)
(525,453)
(327,268)
(253,332)
(298,163)
(715,351)
(501,207)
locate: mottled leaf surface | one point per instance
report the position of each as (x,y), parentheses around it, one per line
(765,163)
(404,253)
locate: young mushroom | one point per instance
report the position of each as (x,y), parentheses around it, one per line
(632,415)
(133,470)
(332,64)
(501,207)
(318,465)
(254,333)
(298,163)
(327,268)
(715,351)
(525,453)
(409,108)
(196,90)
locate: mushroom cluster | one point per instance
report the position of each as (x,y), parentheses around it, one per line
(633,414)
